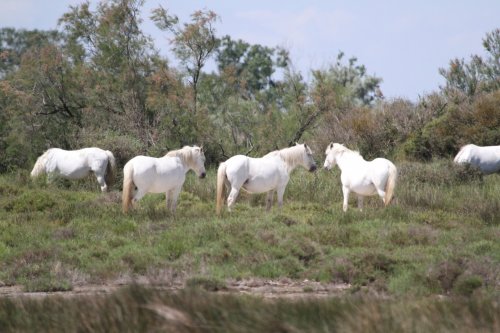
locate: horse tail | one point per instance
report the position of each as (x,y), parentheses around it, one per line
(391,184)
(39,166)
(109,177)
(128,186)
(460,158)
(221,177)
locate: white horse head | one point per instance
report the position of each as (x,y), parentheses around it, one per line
(333,151)
(300,154)
(193,157)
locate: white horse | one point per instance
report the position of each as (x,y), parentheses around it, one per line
(487,159)
(361,177)
(258,175)
(77,164)
(161,175)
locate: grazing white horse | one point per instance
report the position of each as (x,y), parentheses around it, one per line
(77,164)
(487,159)
(360,176)
(161,175)
(258,175)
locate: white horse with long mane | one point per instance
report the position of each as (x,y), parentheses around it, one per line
(258,175)
(161,175)
(360,176)
(486,159)
(77,164)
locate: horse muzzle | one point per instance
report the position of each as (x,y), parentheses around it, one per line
(312,168)
(202,175)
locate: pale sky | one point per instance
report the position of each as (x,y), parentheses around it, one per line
(403,42)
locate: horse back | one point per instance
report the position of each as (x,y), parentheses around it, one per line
(487,159)
(152,167)
(379,169)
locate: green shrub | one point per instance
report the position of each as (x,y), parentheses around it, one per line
(47,284)
(441,172)
(466,284)
(31,201)
(445,273)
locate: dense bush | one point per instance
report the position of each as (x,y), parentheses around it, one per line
(477,122)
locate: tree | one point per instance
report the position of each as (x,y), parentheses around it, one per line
(116,60)
(476,76)
(301,114)
(491,70)
(193,43)
(252,65)
(14,43)
(44,103)
(358,88)
(344,95)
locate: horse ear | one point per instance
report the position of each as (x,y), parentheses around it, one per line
(305,145)
(296,143)
(331,145)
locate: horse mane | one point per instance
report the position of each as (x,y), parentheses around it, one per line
(40,163)
(291,155)
(341,149)
(185,154)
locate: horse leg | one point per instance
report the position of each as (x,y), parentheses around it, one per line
(360,202)
(99,170)
(104,187)
(138,195)
(381,194)
(232,197)
(168,199)
(101,181)
(280,192)
(269,200)
(345,191)
(174,196)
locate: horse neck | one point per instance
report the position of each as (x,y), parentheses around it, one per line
(185,158)
(291,158)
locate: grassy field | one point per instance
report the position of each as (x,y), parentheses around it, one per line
(429,260)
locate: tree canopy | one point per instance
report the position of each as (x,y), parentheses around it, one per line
(98,80)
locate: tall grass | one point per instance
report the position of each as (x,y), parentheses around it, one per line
(138,309)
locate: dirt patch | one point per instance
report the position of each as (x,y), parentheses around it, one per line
(283,288)
(287,288)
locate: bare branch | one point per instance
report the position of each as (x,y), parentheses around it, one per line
(223,152)
(251,147)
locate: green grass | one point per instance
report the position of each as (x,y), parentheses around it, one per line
(84,231)
(440,237)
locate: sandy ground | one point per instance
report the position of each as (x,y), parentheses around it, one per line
(283,288)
